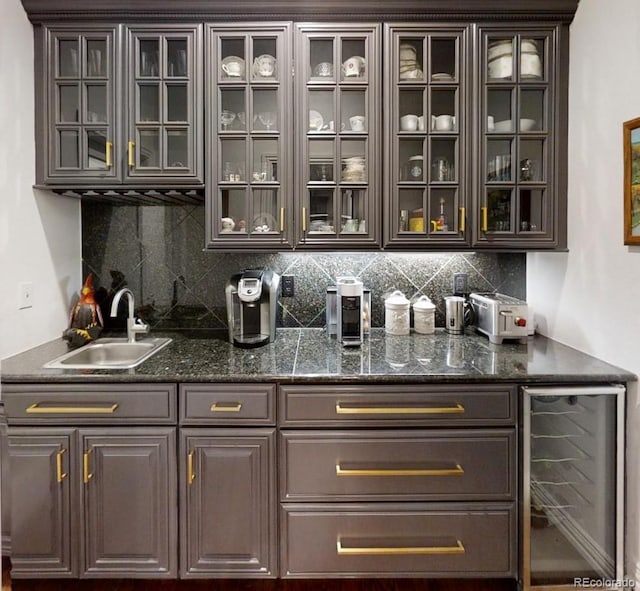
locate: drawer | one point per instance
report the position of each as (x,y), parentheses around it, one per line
(474,464)
(399,540)
(400,405)
(90,404)
(218,404)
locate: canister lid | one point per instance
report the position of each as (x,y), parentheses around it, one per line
(397,300)
(423,303)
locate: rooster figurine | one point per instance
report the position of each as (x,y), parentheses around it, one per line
(85,320)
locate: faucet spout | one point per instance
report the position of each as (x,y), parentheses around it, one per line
(134,325)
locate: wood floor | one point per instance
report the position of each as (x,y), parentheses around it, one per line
(239,585)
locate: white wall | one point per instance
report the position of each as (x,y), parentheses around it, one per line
(40,238)
(589,298)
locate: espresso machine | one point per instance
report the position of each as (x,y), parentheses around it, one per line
(252,300)
(349,302)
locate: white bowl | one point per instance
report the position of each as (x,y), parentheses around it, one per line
(527,124)
(503,126)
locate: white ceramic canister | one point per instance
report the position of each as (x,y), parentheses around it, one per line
(424,315)
(396,314)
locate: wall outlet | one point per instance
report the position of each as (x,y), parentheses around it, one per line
(25,295)
(287,286)
(460,283)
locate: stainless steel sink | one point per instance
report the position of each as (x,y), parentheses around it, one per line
(109,353)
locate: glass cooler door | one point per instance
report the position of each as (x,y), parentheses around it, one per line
(573,484)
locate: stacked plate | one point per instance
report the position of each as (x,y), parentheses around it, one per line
(353,169)
(409,66)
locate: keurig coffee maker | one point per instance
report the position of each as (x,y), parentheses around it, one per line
(349,307)
(252,299)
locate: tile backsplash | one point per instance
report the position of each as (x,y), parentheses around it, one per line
(158,252)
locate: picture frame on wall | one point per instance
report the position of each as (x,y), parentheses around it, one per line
(631,135)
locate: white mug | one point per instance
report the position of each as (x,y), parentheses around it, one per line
(443,122)
(491,123)
(409,122)
(421,123)
(357,122)
(354,66)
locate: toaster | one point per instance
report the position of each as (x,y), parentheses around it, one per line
(501,317)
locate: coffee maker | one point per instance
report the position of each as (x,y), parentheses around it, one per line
(252,300)
(349,304)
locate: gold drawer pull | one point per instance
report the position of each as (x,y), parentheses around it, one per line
(85,466)
(400,550)
(225,407)
(191,476)
(60,474)
(52,410)
(131,147)
(392,410)
(108,152)
(457,471)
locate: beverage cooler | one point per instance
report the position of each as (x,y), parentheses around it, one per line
(573,486)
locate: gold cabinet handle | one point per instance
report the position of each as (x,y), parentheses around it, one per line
(457,471)
(463,220)
(400,550)
(485,221)
(60,474)
(86,475)
(108,155)
(393,410)
(190,473)
(225,407)
(281,220)
(304,219)
(132,153)
(52,410)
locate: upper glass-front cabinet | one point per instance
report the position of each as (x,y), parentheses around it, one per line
(164,128)
(338,122)
(517,197)
(81,113)
(427,128)
(248,73)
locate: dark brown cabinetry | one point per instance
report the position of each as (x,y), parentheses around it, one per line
(395,502)
(228,484)
(120,105)
(94,501)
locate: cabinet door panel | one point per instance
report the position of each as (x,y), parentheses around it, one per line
(129,502)
(41,519)
(80,103)
(228,514)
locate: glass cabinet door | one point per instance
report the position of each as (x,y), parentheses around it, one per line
(81,105)
(248,72)
(427,128)
(164,137)
(338,123)
(516,130)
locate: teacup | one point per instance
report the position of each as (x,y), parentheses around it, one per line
(233,66)
(443,122)
(409,122)
(421,123)
(357,122)
(351,225)
(354,66)
(227,224)
(265,65)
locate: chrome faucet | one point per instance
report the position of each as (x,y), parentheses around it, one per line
(134,325)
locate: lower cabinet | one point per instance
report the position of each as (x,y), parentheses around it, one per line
(93,502)
(228,503)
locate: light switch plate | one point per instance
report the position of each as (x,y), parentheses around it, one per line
(25,295)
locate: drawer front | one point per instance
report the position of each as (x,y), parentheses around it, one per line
(472,464)
(90,404)
(378,405)
(218,404)
(392,541)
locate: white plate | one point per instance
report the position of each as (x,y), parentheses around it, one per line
(315,120)
(441,76)
(412,75)
(503,126)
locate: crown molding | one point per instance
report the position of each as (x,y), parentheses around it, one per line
(40,11)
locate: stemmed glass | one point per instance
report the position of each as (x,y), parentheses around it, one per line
(267,118)
(226,119)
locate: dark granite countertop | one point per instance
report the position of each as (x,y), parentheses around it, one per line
(309,355)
